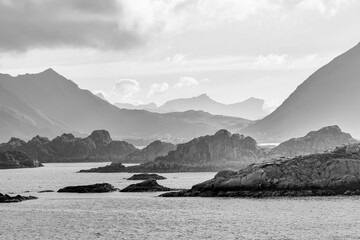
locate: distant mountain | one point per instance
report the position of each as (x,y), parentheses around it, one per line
(48,104)
(326,138)
(330,96)
(150,107)
(101,96)
(252,108)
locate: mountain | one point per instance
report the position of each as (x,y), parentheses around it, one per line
(48,102)
(251,108)
(149,153)
(19,118)
(66,148)
(327,138)
(330,96)
(207,153)
(152,107)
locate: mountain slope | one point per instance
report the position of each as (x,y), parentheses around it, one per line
(79,110)
(330,96)
(251,108)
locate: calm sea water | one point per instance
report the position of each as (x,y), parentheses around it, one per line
(146,216)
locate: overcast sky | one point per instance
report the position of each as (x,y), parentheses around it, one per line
(142,51)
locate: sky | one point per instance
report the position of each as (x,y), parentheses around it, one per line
(142,51)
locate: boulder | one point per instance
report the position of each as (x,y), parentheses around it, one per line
(146,176)
(94,188)
(146,186)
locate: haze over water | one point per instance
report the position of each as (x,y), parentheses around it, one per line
(146,216)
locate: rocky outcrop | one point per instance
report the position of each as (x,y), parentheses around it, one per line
(146,186)
(4,198)
(16,159)
(67,148)
(94,188)
(146,176)
(149,153)
(331,173)
(326,138)
(208,153)
(117,167)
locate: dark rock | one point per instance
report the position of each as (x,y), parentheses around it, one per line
(322,174)
(45,191)
(146,176)
(15,159)
(118,167)
(94,188)
(18,198)
(326,138)
(146,186)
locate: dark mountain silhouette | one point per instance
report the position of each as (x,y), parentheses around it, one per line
(68,107)
(251,108)
(330,96)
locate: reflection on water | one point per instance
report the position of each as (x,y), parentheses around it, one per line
(145,216)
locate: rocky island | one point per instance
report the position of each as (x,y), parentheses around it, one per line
(16,159)
(67,148)
(94,188)
(322,174)
(208,153)
(146,176)
(5,198)
(146,186)
(326,138)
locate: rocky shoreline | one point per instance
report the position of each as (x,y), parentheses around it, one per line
(325,174)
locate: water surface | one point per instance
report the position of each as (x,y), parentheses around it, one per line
(146,216)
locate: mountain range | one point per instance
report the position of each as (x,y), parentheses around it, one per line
(48,104)
(330,96)
(252,108)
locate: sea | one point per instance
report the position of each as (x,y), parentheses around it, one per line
(146,216)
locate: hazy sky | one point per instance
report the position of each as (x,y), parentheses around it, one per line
(142,51)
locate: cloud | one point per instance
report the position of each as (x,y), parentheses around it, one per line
(186,82)
(271,59)
(178,58)
(126,88)
(328,7)
(68,23)
(158,88)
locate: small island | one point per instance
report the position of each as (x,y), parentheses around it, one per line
(146,176)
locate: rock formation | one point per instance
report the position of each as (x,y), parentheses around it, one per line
(208,153)
(146,176)
(146,186)
(149,153)
(66,148)
(18,198)
(94,188)
(331,173)
(16,159)
(327,138)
